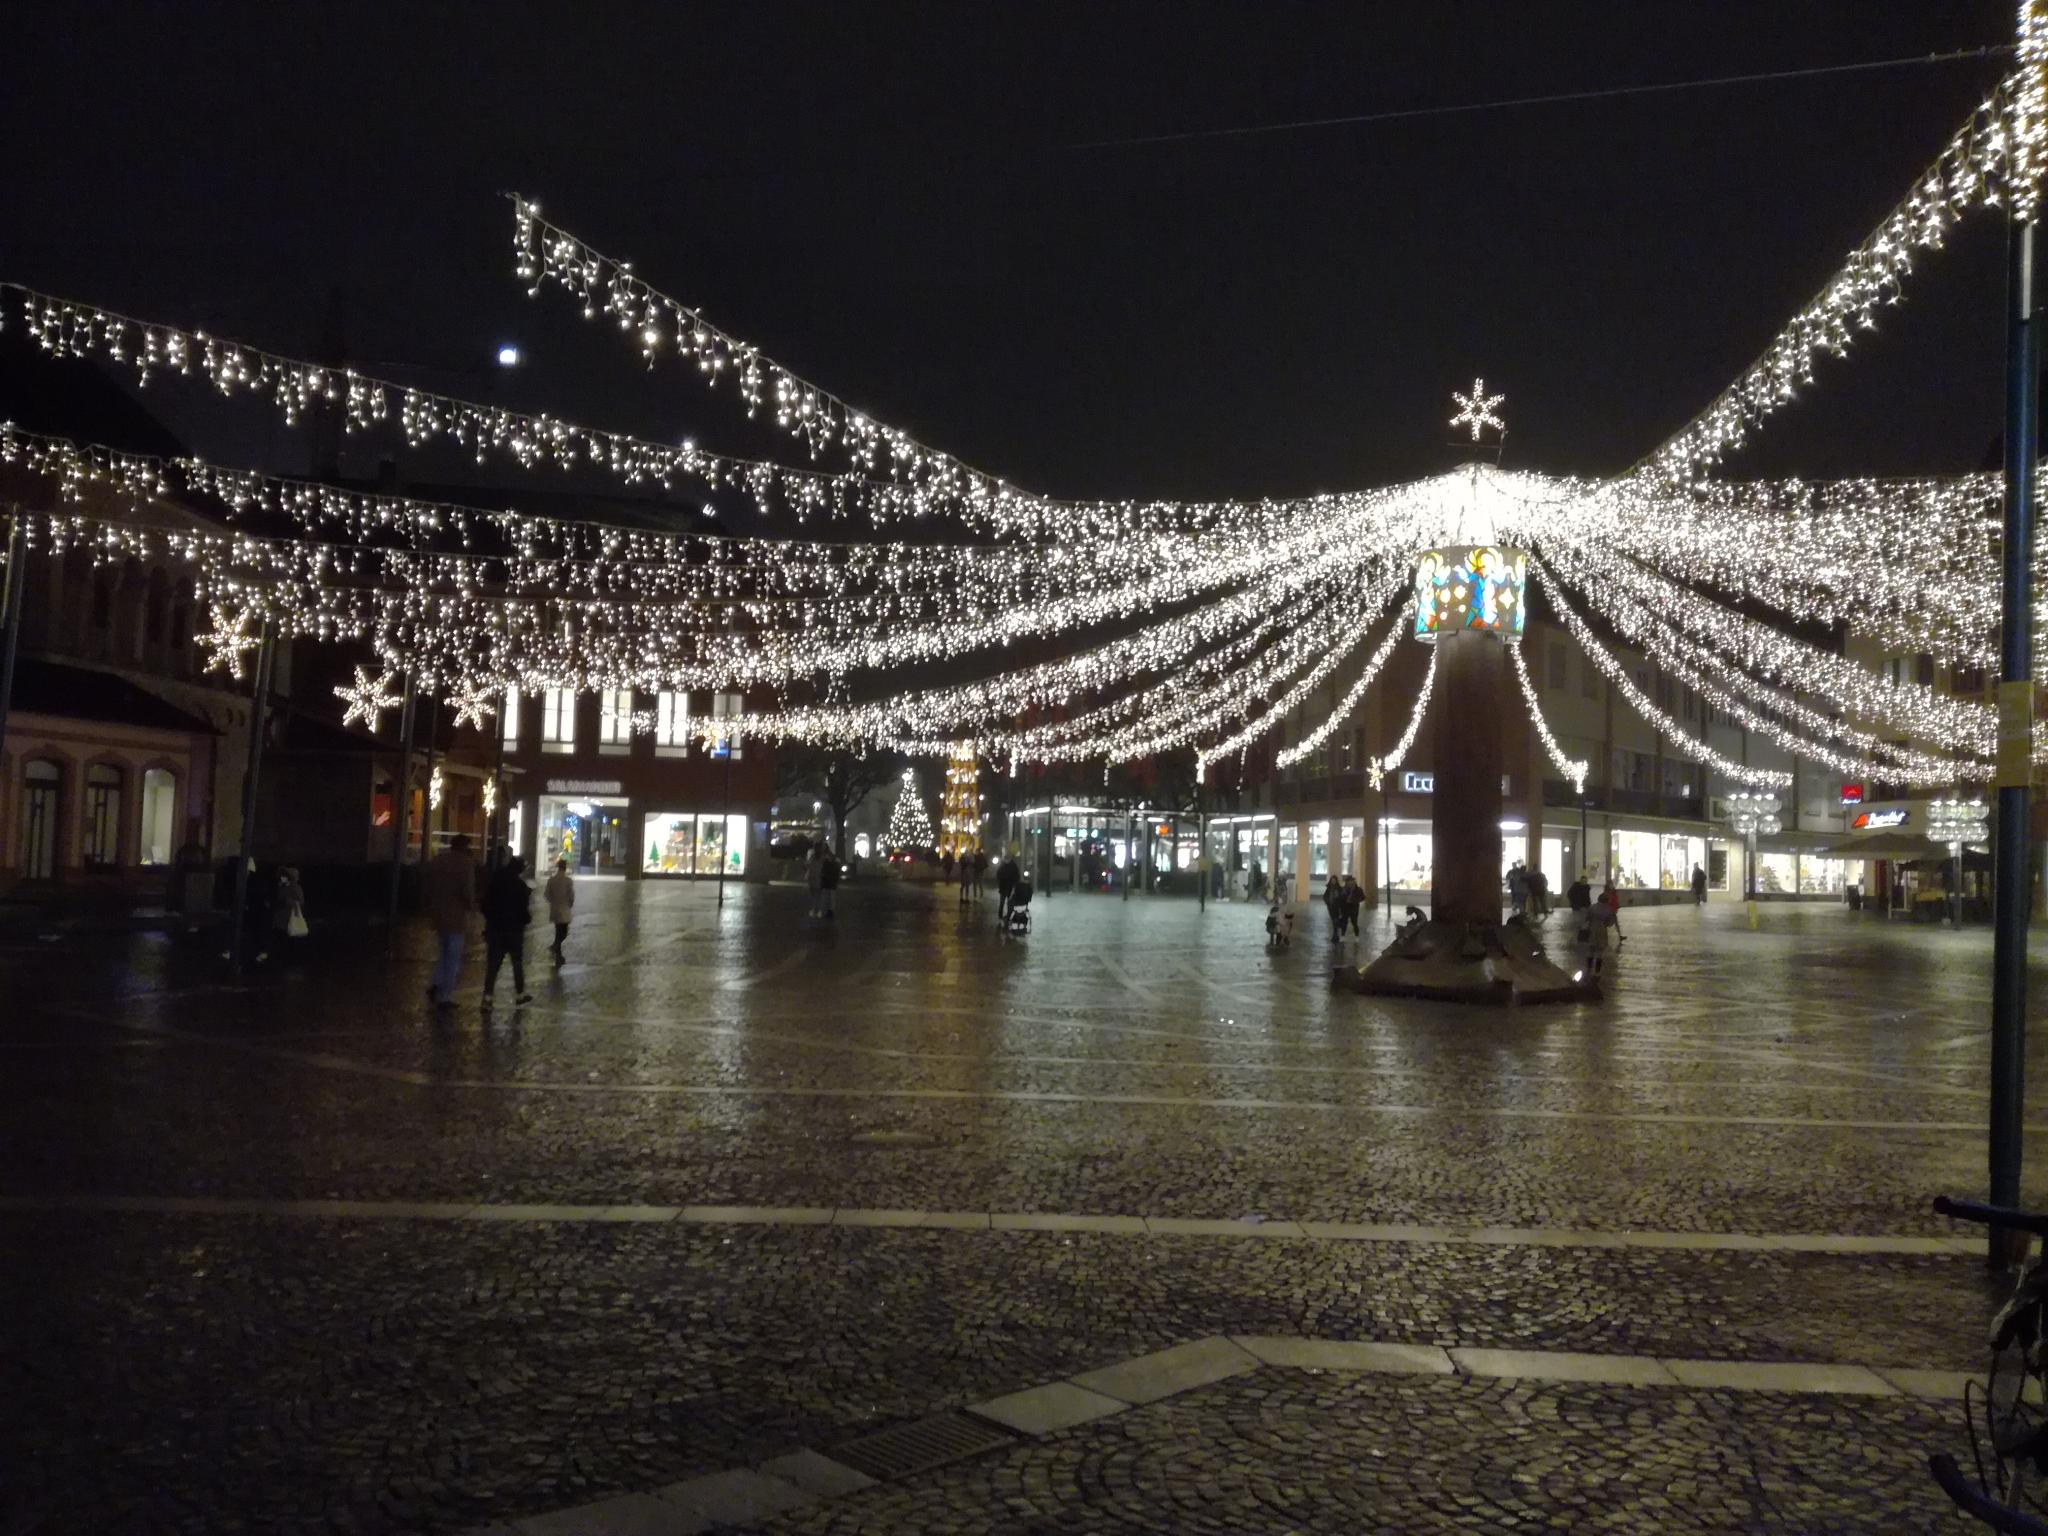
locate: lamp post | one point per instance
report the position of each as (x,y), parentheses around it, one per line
(1751,812)
(1956,822)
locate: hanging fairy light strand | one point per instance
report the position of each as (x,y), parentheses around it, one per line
(1617,674)
(1572,768)
(1994,157)
(660,326)
(1377,770)
(1287,757)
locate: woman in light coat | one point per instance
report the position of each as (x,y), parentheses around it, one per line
(561,894)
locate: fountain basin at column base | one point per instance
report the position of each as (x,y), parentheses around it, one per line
(1502,964)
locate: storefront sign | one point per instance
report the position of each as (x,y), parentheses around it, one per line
(1866,821)
(1425,783)
(1852,794)
(585,787)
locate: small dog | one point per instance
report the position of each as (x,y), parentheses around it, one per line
(1279,927)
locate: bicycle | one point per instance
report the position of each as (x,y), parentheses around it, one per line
(2010,1493)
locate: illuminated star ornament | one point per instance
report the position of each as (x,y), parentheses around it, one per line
(1476,410)
(229,640)
(367,699)
(474,705)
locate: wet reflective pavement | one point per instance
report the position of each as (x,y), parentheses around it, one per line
(297,1254)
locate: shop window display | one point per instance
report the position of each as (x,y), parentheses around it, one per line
(1638,860)
(1410,856)
(1777,872)
(1680,855)
(689,843)
(1821,877)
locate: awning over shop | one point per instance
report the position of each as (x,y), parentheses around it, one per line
(1909,846)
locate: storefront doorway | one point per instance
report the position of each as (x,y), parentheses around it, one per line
(589,832)
(41,791)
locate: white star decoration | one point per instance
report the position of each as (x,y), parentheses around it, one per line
(229,640)
(474,705)
(367,700)
(1476,409)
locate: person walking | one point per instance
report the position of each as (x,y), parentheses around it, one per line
(288,912)
(507,911)
(828,882)
(966,876)
(1539,894)
(980,870)
(1610,901)
(1699,886)
(946,866)
(561,893)
(1333,903)
(1354,900)
(1518,888)
(450,891)
(1007,874)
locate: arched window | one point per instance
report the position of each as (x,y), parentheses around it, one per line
(42,792)
(159,815)
(102,814)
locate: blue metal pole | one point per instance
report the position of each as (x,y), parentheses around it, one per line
(2013,889)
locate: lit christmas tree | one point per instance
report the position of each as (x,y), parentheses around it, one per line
(960,805)
(909,826)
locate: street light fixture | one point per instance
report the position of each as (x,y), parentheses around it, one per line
(1956,822)
(1751,812)
(510,356)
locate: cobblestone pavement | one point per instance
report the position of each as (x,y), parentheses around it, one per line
(383,1368)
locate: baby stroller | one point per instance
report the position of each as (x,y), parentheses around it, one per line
(1018,918)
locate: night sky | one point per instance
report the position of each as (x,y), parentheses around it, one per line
(886,197)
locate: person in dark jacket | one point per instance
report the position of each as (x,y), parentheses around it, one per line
(1699,886)
(1007,875)
(828,882)
(1333,903)
(1579,894)
(1354,902)
(506,914)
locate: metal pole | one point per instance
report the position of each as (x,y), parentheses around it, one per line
(2012,893)
(10,616)
(1202,847)
(433,752)
(1042,784)
(401,793)
(1125,870)
(259,703)
(1955,885)
(725,832)
(1749,880)
(1386,847)
(493,828)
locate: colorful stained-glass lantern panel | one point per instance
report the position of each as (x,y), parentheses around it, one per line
(1480,588)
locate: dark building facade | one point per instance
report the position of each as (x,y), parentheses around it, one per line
(622,783)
